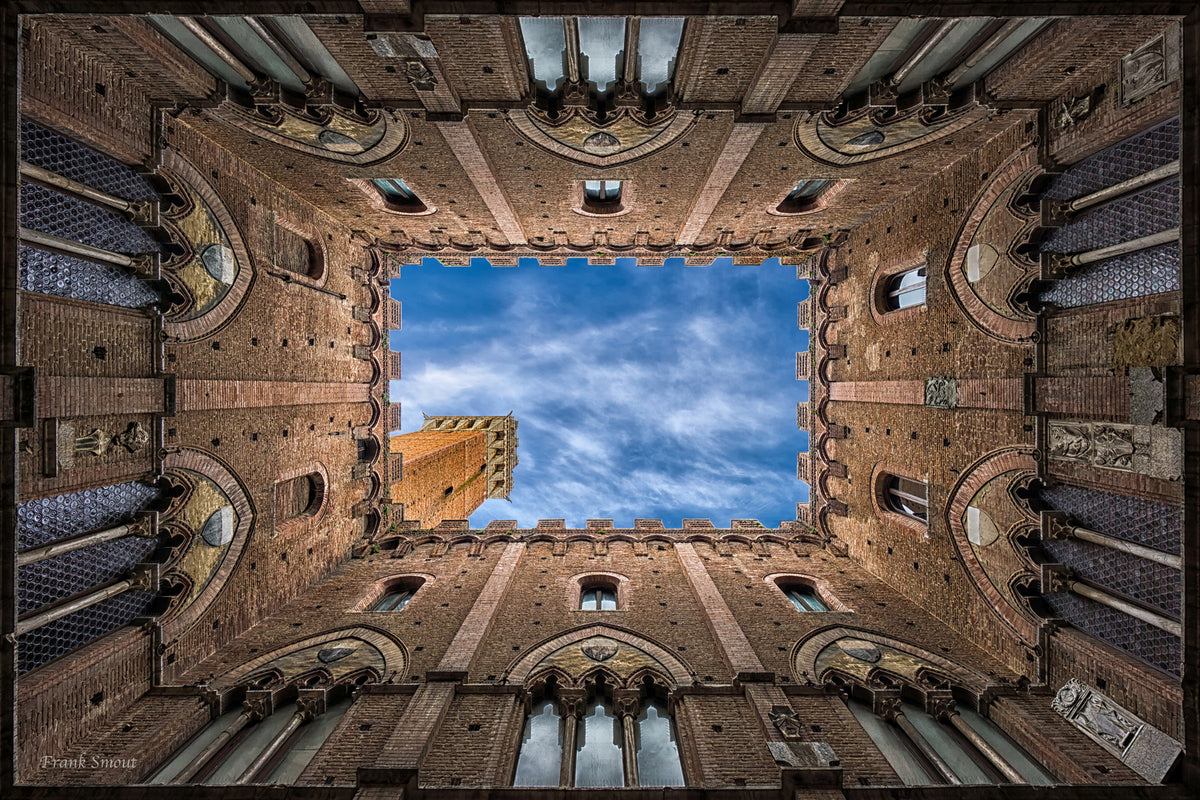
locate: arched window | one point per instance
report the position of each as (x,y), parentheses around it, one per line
(603,737)
(598,739)
(598,598)
(298,497)
(271,749)
(392,594)
(394,600)
(541,747)
(958,746)
(398,196)
(602,197)
(908,497)
(657,751)
(905,289)
(297,254)
(804,598)
(803,196)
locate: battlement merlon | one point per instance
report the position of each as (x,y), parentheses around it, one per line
(501,445)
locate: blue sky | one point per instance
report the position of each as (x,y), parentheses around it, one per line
(651,392)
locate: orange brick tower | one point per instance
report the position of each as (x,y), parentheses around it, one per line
(450,466)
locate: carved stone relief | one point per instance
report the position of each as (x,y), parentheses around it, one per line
(1146,449)
(941,392)
(1150,67)
(418,75)
(787,721)
(69,444)
(1140,745)
(1072,111)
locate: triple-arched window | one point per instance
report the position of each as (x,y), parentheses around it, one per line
(600,736)
(259,742)
(952,745)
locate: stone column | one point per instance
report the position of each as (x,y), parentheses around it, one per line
(253,710)
(943,710)
(309,705)
(1056,578)
(628,703)
(1057,525)
(887,706)
(144,524)
(572,702)
(144,578)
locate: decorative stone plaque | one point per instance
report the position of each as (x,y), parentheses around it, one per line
(1144,748)
(1150,67)
(941,392)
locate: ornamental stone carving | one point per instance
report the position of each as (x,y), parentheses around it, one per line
(599,652)
(418,75)
(1073,111)
(941,392)
(860,649)
(1150,67)
(1146,449)
(331,654)
(787,722)
(1144,748)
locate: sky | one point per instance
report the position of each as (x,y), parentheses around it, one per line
(640,392)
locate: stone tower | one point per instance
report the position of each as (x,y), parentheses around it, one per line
(450,466)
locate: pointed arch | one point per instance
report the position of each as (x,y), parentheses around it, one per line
(524,665)
(395,657)
(235,490)
(806,652)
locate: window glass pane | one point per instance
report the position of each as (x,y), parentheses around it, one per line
(541,748)
(907,289)
(304,747)
(598,748)
(887,739)
(813,602)
(308,45)
(657,754)
(184,757)
(807,189)
(608,600)
(187,40)
(254,742)
(263,58)
(589,601)
(592,189)
(601,46)
(395,189)
(947,745)
(545,47)
(1029,769)
(658,43)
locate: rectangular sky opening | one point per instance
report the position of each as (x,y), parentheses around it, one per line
(664,392)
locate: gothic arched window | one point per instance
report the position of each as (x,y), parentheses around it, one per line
(603,737)
(397,196)
(541,747)
(602,197)
(598,598)
(959,746)
(298,497)
(804,196)
(257,749)
(804,598)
